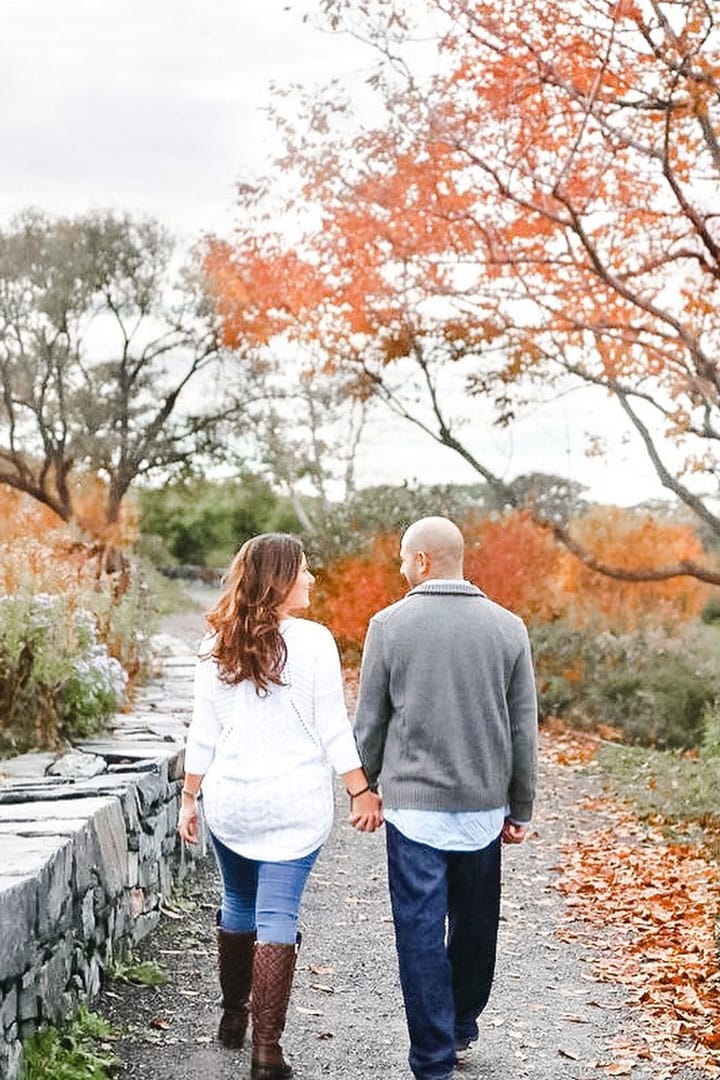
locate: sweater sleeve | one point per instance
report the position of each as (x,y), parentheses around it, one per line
(330,712)
(374,708)
(205,727)
(522,705)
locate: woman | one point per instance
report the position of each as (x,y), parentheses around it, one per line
(269,725)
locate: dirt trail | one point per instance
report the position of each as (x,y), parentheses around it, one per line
(547,1018)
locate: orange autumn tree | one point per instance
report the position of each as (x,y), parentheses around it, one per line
(629,540)
(537,205)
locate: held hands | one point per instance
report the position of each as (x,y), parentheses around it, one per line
(366,812)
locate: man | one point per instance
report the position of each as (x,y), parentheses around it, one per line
(447,724)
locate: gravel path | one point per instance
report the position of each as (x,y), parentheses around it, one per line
(547,1018)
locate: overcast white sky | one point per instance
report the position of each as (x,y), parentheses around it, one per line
(157,106)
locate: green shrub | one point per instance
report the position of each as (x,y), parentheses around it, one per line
(660,690)
(661,705)
(711,731)
(711,612)
(201,522)
(57,680)
(74,1051)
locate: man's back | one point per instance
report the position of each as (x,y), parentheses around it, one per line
(447,702)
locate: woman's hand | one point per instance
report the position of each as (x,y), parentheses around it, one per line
(189,819)
(366,812)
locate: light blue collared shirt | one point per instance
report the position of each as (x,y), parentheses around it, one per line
(449,830)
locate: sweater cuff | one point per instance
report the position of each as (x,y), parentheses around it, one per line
(521,813)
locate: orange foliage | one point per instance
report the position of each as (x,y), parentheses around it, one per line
(44,554)
(628,540)
(518,564)
(22,516)
(353,588)
(90,502)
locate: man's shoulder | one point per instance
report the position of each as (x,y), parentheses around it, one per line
(500,612)
(386,614)
(506,621)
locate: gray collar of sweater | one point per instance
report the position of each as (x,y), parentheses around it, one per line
(446,587)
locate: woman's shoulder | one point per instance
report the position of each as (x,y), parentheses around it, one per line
(206,648)
(309,631)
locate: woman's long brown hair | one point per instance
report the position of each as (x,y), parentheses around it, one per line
(248,643)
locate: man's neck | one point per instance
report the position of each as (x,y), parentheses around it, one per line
(442,577)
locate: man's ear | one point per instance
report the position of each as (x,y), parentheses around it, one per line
(424,561)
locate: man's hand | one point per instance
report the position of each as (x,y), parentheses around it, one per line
(366,812)
(512,833)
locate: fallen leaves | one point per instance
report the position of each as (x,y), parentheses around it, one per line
(566,746)
(647,909)
(160,1024)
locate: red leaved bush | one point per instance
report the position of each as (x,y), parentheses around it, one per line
(517,563)
(353,588)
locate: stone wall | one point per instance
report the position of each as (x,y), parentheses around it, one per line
(88,852)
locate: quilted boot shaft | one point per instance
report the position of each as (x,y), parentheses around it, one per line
(235,957)
(273,970)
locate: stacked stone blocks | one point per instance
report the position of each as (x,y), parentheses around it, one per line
(86,861)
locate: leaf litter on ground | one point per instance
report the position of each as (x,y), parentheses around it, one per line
(651,904)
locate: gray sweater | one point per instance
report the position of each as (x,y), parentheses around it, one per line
(447,708)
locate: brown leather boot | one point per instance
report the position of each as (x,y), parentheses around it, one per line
(273,970)
(235,957)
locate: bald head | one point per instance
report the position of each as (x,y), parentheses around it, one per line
(432,548)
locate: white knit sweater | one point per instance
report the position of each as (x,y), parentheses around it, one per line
(266,761)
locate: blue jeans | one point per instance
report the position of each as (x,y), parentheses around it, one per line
(445,978)
(262,896)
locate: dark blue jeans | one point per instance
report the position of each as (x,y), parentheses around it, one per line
(446,907)
(262,896)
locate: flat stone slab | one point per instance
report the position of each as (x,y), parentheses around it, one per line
(77,765)
(25,856)
(135,749)
(39,810)
(26,765)
(105,784)
(55,827)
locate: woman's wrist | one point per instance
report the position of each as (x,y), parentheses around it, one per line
(355,794)
(187,794)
